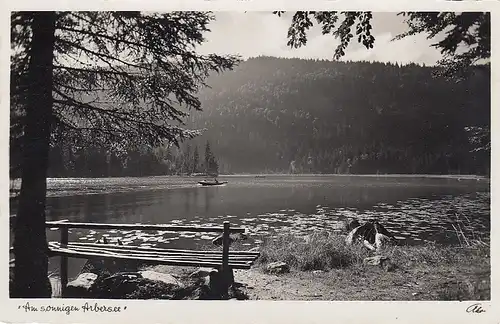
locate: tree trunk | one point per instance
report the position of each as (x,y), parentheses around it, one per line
(30,242)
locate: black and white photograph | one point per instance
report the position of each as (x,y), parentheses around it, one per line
(240,156)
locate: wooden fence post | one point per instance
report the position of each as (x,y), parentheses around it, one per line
(64,261)
(225,257)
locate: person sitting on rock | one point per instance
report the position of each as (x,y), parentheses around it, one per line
(372,234)
(365,233)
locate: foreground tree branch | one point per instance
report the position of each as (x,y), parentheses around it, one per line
(468,31)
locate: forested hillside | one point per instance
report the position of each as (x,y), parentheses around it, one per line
(335,117)
(303,116)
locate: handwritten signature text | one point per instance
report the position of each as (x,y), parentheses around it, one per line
(475,308)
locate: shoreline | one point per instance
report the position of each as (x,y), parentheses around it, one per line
(324,268)
(388,175)
(59,187)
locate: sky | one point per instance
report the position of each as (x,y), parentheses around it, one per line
(253,34)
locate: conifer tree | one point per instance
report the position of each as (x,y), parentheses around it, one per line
(120,79)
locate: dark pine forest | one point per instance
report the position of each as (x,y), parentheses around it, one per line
(315,116)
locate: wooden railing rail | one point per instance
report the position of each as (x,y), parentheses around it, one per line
(144,227)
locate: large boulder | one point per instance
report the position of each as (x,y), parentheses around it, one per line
(162,277)
(136,285)
(149,284)
(81,286)
(278,267)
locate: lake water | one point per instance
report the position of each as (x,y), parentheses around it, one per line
(415,209)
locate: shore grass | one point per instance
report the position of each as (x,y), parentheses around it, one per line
(325,251)
(319,251)
(412,272)
(442,272)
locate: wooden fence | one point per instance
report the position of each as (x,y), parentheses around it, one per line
(226,260)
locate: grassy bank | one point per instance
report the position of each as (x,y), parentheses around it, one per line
(325,251)
(323,267)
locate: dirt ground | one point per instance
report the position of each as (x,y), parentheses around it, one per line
(442,283)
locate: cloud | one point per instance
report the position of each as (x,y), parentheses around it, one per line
(247,34)
(263,33)
(411,49)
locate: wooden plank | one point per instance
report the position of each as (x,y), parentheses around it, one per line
(112,249)
(148,249)
(88,255)
(218,257)
(140,248)
(146,227)
(167,253)
(155,257)
(57,222)
(143,248)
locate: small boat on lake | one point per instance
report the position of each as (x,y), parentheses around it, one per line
(212,183)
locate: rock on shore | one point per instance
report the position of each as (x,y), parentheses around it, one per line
(278,267)
(203,283)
